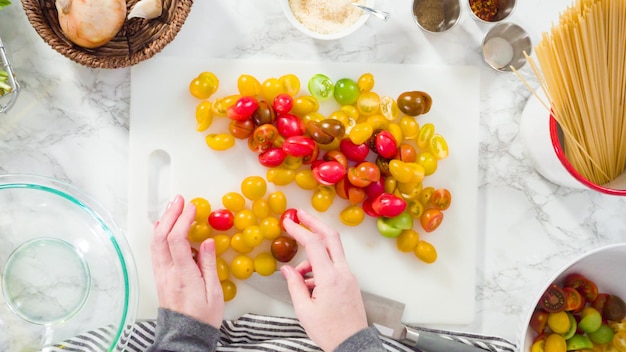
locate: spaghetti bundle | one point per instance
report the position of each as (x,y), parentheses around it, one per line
(582,71)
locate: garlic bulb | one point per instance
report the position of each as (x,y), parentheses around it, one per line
(147,9)
(91,23)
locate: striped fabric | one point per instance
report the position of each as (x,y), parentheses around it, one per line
(261,333)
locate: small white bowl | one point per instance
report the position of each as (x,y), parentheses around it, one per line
(604,266)
(321,36)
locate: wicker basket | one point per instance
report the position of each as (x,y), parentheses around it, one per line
(138,39)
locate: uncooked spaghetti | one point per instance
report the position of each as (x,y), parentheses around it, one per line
(582,71)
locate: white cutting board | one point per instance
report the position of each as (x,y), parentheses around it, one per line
(168,156)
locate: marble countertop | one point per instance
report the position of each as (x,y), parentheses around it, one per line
(72,123)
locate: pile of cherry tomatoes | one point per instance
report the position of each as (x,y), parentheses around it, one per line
(371,151)
(575,316)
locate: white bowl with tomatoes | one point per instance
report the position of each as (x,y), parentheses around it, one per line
(582,307)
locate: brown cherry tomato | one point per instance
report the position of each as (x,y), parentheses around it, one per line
(284,248)
(414,103)
(241,129)
(263,114)
(553,299)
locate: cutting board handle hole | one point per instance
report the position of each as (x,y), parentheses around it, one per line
(159,171)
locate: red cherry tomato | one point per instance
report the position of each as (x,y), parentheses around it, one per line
(291,213)
(346,190)
(329,172)
(354,152)
(388,205)
(367,208)
(363,174)
(374,189)
(221,219)
(299,146)
(431,219)
(441,199)
(336,156)
(290,125)
(385,144)
(272,157)
(283,103)
(243,108)
(262,138)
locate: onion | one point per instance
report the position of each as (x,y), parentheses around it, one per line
(91,23)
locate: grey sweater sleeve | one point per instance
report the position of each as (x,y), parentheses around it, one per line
(366,340)
(176,332)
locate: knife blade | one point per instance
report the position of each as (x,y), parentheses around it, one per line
(383,313)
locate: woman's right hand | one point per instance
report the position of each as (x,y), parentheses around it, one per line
(328,303)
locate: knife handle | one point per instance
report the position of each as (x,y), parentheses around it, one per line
(429,342)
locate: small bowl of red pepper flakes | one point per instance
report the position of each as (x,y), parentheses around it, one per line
(491,10)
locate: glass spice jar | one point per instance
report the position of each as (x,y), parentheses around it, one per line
(9,87)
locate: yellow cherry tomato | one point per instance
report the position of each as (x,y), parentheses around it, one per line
(368,103)
(248,86)
(425,252)
(323,198)
(438,146)
(342,117)
(204,85)
(252,236)
(395,131)
(203,208)
(277,202)
(220,105)
(233,201)
(538,346)
(204,116)
(304,105)
(410,190)
(238,244)
(242,267)
(365,82)
(407,241)
(410,127)
(220,141)
(389,108)
(555,343)
(253,187)
(378,122)
(428,161)
(261,208)
(222,243)
(425,134)
(229,289)
(360,133)
(280,176)
(619,341)
(559,322)
(291,162)
(270,227)
(352,215)
(199,231)
(290,84)
(305,180)
(264,264)
(223,272)
(244,218)
(271,88)
(351,112)
(400,170)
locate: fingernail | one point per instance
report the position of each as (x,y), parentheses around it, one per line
(178,199)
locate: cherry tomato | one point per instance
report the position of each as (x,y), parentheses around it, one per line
(272,157)
(305,104)
(352,151)
(388,205)
(241,129)
(559,322)
(385,144)
(262,138)
(414,103)
(361,132)
(363,174)
(284,248)
(325,131)
(389,108)
(553,299)
(244,218)
(321,87)
(299,146)
(264,114)
(238,244)
(438,146)
(222,243)
(406,153)
(199,231)
(277,202)
(352,215)
(415,208)
(407,241)
(431,219)
(289,125)
(410,127)
(220,141)
(221,105)
(346,91)
(365,82)
(323,198)
(375,188)
(305,179)
(329,172)
(428,162)
(353,194)
(270,88)
(619,341)
(283,103)
(204,85)
(204,116)
(223,272)
(336,155)
(280,176)
(252,236)
(221,219)
(264,264)
(248,85)
(425,252)
(441,199)
(368,103)
(203,208)
(270,227)
(291,214)
(290,84)
(229,289)
(425,134)
(243,109)
(253,187)
(233,201)
(242,267)
(555,343)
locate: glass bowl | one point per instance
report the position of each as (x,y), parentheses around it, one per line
(66,268)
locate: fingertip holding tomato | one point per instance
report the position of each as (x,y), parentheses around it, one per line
(291,214)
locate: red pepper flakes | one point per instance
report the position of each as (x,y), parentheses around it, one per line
(486,10)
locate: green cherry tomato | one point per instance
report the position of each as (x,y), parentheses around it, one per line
(346,91)
(321,87)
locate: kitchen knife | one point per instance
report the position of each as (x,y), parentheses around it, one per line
(383,313)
